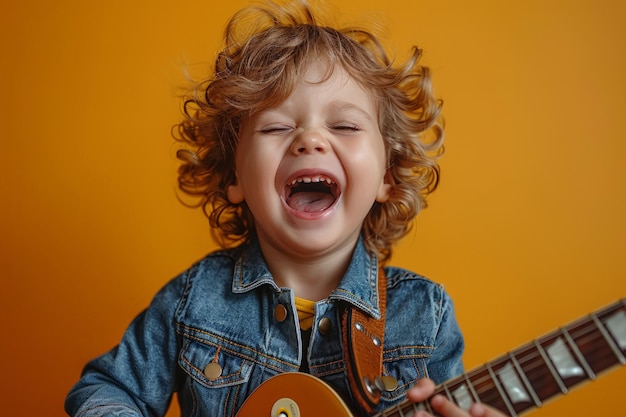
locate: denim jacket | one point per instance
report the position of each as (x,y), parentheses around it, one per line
(224,310)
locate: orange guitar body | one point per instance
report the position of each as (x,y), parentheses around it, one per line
(294,394)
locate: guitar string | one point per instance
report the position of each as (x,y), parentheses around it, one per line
(484,386)
(587,332)
(530,359)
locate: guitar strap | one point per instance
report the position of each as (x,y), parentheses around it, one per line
(363,340)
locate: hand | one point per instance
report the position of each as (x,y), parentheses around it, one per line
(425,388)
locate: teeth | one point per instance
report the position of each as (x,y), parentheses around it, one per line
(308,180)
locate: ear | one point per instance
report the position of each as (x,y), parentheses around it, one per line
(235,193)
(384,190)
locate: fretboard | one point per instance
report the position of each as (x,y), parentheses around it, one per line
(551,365)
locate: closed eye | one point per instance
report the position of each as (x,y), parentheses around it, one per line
(346,127)
(275,129)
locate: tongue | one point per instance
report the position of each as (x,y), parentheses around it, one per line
(310,202)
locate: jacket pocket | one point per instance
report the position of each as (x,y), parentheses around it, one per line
(212,367)
(408,366)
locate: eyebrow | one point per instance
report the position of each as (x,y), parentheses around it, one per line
(346,105)
(335,106)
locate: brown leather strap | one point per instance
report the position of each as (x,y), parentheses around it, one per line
(363,340)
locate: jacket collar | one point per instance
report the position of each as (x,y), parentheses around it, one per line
(359,285)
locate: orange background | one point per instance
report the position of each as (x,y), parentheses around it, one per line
(527,231)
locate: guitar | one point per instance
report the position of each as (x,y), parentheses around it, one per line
(514,383)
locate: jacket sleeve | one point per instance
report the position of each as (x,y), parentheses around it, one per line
(139,376)
(446,362)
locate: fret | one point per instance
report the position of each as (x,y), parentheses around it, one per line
(462,397)
(581,358)
(407,409)
(563,359)
(594,345)
(616,350)
(429,408)
(512,384)
(414,408)
(551,368)
(529,388)
(616,324)
(486,389)
(422,406)
(503,396)
(471,388)
(447,392)
(537,371)
(394,411)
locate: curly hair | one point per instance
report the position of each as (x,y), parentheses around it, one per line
(267,49)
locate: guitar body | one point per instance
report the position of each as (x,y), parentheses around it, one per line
(294,394)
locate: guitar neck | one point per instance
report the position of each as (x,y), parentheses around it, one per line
(548,366)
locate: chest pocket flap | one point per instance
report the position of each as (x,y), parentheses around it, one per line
(211,366)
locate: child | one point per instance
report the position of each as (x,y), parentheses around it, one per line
(309,153)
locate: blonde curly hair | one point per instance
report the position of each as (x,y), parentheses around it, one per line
(267,49)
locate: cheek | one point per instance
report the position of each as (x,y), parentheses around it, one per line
(371,159)
(256,176)
(374,167)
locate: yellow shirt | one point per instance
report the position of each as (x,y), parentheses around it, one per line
(306,312)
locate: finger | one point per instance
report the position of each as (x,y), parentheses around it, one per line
(446,408)
(423,389)
(480,410)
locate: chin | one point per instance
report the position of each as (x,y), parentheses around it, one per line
(320,243)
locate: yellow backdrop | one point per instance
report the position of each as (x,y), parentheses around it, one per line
(527,231)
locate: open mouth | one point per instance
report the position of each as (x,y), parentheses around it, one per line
(311,194)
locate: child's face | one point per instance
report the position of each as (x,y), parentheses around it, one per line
(311,168)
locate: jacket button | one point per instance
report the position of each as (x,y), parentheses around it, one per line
(390,383)
(280,313)
(213,371)
(325,325)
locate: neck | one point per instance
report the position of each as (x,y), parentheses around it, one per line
(311,277)
(534,373)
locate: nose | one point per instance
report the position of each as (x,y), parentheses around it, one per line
(309,142)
